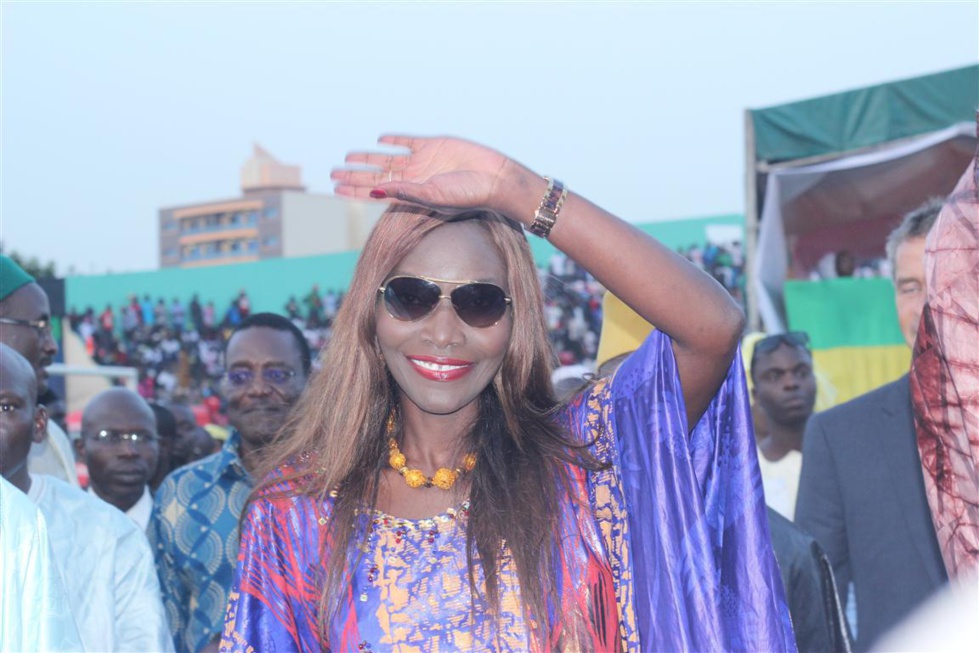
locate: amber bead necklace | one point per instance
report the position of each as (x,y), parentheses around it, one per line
(443,478)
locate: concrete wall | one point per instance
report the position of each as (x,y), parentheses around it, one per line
(270,282)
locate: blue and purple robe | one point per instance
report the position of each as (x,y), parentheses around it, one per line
(665,550)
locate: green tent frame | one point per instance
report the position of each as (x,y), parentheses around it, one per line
(846,124)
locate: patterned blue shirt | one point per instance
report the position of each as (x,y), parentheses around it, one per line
(194,535)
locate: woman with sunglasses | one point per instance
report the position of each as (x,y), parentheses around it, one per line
(428,493)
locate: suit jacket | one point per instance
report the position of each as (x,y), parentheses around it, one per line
(862,496)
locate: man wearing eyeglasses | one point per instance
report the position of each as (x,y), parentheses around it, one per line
(104,559)
(119,444)
(194,527)
(25,326)
(862,494)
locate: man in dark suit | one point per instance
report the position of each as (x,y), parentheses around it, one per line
(861,493)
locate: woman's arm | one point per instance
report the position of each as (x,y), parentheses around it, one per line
(454,175)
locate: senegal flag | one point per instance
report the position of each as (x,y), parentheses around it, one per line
(853,331)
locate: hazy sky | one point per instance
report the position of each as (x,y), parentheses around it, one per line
(112,110)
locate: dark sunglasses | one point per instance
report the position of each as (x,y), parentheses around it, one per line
(771,343)
(477,303)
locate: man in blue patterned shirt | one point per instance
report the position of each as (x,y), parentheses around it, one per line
(194,527)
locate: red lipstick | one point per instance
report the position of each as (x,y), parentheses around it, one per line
(439,368)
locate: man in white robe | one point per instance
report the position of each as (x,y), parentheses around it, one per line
(34,610)
(104,558)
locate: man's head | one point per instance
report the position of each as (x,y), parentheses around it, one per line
(166,433)
(56,407)
(22,421)
(906,253)
(268,361)
(193,442)
(25,319)
(846,263)
(784,383)
(119,445)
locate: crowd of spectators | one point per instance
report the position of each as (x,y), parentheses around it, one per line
(176,347)
(843,264)
(723,261)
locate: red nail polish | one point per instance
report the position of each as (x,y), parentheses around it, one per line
(378,194)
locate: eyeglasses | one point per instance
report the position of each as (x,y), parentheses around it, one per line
(42,326)
(275,376)
(114,438)
(771,343)
(478,304)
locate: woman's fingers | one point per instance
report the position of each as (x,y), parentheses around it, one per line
(365,178)
(401,141)
(385,161)
(357,192)
(391,168)
(402,192)
(444,173)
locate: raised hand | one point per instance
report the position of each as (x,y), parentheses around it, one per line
(448,174)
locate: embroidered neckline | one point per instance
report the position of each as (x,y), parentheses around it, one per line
(381,518)
(403,524)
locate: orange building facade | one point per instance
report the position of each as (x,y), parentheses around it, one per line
(274,217)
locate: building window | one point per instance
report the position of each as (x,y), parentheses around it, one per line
(270,241)
(270,213)
(253,217)
(252,245)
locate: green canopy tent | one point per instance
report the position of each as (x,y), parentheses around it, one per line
(837,173)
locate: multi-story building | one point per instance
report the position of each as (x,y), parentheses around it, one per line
(274,217)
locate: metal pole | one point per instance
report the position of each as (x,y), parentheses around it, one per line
(129,375)
(751,221)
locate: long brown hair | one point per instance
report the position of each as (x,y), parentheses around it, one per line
(338,427)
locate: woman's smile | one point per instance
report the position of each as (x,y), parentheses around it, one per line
(440,363)
(438,368)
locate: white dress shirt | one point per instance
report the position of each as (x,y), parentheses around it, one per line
(140,511)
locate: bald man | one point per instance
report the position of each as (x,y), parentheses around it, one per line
(104,559)
(23,420)
(121,448)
